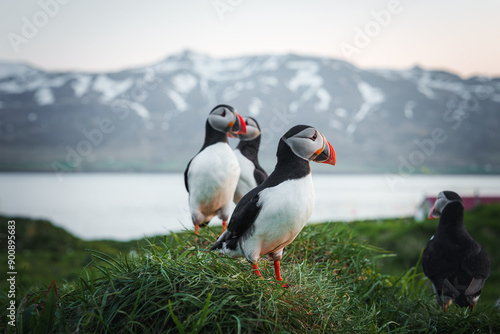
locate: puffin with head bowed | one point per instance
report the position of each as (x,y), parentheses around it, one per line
(212,174)
(252,174)
(271,215)
(455,263)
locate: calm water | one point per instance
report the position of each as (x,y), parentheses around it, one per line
(125,206)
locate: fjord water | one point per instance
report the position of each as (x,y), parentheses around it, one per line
(128,206)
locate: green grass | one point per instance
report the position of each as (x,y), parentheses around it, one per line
(340,283)
(45,252)
(405,239)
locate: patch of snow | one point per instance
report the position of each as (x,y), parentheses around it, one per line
(386,74)
(14,70)
(272,63)
(36,83)
(305,65)
(351,128)
(58,81)
(254,107)
(27,84)
(232,91)
(371,96)
(178,100)
(409,108)
(306,75)
(294,106)
(221,69)
(110,88)
(336,124)
(44,96)
(184,82)
(81,85)
(495,98)
(427,84)
(341,112)
(269,80)
(324,99)
(140,110)
(167,67)
(11,87)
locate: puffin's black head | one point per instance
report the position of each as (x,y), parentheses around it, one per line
(308,143)
(253,129)
(443,199)
(224,118)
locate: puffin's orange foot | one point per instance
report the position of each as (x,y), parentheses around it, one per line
(224,226)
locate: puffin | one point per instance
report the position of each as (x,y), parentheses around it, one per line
(455,263)
(271,215)
(212,174)
(252,174)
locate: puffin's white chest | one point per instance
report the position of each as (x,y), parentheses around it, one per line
(247,179)
(285,209)
(212,177)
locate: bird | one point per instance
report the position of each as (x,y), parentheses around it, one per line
(455,263)
(271,215)
(252,174)
(212,174)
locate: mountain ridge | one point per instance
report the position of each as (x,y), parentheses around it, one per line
(150,118)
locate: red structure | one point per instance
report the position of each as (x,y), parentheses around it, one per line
(468,201)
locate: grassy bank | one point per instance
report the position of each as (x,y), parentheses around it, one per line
(45,252)
(344,278)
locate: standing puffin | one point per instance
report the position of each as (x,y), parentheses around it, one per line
(252,174)
(271,215)
(212,174)
(454,262)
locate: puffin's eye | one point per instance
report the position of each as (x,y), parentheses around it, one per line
(223,113)
(313,138)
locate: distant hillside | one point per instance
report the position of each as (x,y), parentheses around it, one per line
(152,118)
(45,252)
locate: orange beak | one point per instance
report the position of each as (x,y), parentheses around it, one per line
(433,214)
(327,154)
(239,127)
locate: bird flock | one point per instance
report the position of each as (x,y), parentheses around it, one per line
(271,210)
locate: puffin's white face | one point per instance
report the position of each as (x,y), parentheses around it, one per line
(224,119)
(442,200)
(310,144)
(253,130)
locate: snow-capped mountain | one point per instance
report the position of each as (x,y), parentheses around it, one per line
(152,118)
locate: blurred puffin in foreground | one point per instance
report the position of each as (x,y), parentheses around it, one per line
(252,174)
(454,262)
(271,215)
(212,175)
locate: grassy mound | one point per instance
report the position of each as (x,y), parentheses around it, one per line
(175,284)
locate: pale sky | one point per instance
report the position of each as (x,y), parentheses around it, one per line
(101,35)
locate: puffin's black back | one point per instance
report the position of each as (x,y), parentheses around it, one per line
(250,150)
(453,261)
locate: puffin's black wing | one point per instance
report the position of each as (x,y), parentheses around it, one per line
(477,266)
(186,175)
(242,220)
